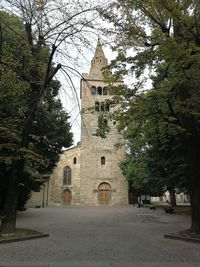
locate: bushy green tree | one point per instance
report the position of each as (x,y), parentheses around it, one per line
(168,32)
(155,161)
(33,126)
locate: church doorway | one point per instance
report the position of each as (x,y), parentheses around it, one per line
(67,197)
(104,190)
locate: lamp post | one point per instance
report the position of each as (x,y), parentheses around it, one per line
(43,195)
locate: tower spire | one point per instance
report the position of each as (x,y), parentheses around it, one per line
(98,62)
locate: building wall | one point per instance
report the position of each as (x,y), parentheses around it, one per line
(57,188)
(180,198)
(39,199)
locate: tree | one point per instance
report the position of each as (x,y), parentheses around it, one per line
(154,161)
(50,132)
(44,27)
(167,32)
(12,101)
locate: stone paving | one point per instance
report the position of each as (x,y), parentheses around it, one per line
(120,236)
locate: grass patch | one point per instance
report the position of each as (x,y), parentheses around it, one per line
(20,233)
(185,235)
(188,233)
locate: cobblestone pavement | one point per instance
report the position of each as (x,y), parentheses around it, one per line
(120,236)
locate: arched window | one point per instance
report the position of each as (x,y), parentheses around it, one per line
(103,160)
(75,160)
(97,105)
(105,92)
(102,106)
(93,90)
(67,179)
(99,90)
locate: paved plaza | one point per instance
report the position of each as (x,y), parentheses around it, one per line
(120,236)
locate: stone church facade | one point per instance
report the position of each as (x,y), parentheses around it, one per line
(89,173)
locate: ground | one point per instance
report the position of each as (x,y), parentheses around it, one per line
(120,236)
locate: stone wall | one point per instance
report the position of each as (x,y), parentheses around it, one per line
(56,181)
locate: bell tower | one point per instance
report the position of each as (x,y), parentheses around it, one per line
(101,180)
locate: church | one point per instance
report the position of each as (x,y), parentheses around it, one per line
(89,173)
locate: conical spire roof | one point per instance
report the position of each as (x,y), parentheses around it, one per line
(99,50)
(98,62)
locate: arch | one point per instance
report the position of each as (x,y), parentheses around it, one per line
(93,90)
(97,105)
(103,160)
(67,176)
(104,190)
(104,186)
(67,197)
(99,90)
(75,160)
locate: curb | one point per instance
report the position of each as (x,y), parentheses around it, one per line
(178,237)
(24,238)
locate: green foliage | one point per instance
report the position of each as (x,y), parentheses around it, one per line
(103,127)
(22,73)
(51,132)
(155,159)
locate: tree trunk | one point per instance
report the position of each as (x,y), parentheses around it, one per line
(172,197)
(8,223)
(193,160)
(190,123)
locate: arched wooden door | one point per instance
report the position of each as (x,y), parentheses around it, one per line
(104,193)
(67,197)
